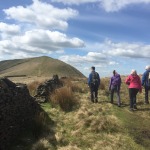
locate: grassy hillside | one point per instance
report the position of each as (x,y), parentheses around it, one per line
(39,66)
(89,126)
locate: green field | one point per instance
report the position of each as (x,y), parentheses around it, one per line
(89,126)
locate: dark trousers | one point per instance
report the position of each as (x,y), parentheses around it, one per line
(113,90)
(146,94)
(94,93)
(132,94)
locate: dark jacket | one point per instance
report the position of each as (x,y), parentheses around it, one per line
(145,78)
(115,81)
(91,78)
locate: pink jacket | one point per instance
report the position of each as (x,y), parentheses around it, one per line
(134,81)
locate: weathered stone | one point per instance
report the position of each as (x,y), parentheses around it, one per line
(44,90)
(17,111)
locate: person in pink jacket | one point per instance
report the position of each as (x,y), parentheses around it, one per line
(134,84)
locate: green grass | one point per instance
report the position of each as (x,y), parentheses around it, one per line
(96,126)
(136,126)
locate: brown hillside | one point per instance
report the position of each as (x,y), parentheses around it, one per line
(39,66)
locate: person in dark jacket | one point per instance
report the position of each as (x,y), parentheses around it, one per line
(94,83)
(134,84)
(146,83)
(114,86)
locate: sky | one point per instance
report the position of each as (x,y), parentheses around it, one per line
(107,34)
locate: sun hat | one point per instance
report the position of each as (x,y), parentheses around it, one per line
(147,67)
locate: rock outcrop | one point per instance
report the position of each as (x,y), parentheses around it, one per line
(45,89)
(17,110)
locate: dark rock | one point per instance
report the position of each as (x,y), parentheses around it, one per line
(17,111)
(44,90)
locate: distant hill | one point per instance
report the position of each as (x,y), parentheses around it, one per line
(38,66)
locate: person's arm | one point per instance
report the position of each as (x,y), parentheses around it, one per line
(140,84)
(120,83)
(127,81)
(99,80)
(89,79)
(143,79)
(110,84)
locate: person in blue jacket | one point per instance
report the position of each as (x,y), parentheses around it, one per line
(94,83)
(146,83)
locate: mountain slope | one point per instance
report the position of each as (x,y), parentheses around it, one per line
(39,66)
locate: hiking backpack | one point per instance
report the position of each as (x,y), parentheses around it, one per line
(95,79)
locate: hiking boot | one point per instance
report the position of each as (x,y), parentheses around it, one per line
(146,102)
(135,107)
(96,101)
(92,100)
(131,109)
(119,105)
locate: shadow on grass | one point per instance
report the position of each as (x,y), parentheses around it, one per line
(143,109)
(136,126)
(140,103)
(41,127)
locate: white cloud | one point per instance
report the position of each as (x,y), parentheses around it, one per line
(34,32)
(113,63)
(120,49)
(39,42)
(115,5)
(49,40)
(42,14)
(95,58)
(124,49)
(108,54)
(108,5)
(83,63)
(9,28)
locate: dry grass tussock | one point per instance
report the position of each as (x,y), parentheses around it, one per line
(64,97)
(40,126)
(76,86)
(96,120)
(42,144)
(33,86)
(69,147)
(103,85)
(116,142)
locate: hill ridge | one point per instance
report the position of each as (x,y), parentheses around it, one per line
(38,66)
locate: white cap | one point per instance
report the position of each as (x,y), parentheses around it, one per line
(147,67)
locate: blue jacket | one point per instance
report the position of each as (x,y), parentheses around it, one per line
(145,78)
(90,78)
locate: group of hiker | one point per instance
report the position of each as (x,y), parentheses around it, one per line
(133,81)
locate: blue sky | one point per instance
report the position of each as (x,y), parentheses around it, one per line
(109,34)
